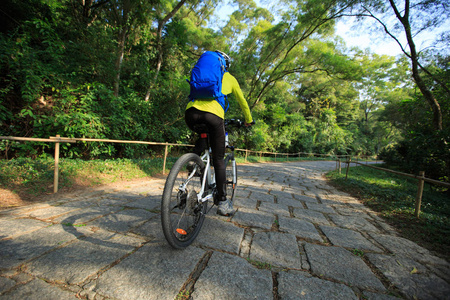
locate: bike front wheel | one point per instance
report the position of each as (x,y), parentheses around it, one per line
(231,176)
(182,215)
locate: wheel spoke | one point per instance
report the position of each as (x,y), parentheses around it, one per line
(181,215)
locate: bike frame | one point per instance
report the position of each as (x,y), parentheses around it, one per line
(209,179)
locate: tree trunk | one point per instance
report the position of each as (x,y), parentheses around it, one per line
(161,24)
(119,59)
(427,94)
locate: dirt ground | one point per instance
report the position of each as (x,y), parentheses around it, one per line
(21,197)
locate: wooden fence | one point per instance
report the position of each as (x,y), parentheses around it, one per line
(421,180)
(57,140)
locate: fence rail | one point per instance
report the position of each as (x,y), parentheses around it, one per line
(58,139)
(421,180)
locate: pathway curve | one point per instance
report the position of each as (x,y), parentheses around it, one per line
(293,237)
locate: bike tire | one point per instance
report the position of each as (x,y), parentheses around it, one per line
(182,215)
(231,186)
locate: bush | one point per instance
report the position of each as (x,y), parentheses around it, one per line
(423,150)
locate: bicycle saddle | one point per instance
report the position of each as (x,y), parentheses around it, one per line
(201,128)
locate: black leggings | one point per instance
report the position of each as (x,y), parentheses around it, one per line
(216,133)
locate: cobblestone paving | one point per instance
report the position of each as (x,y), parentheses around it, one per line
(293,237)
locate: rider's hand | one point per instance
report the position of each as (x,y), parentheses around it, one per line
(249,124)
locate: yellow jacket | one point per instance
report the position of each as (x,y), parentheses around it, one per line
(229,85)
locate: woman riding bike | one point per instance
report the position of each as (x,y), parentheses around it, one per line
(211,113)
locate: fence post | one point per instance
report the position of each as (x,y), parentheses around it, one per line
(275,157)
(246,155)
(419,194)
(165,158)
(260,156)
(339,165)
(56,176)
(348,167)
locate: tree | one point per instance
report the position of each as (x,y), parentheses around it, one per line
(413,18)
(161,24)
(272,53)
(126,16)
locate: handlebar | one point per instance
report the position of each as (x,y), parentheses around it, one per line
(236,123)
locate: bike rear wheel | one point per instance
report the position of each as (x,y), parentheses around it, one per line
(231,176)
(182,215)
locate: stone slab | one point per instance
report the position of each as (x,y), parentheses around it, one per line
(348,238)
(281,194)
(151,229)
(6,284)
(339,264)
(349,211)
(123,220)
(290,202)
(14,227)
(277,209)
(219,234)
(411,277)
(300,228)
(354,222)
(74,263)
(302,285)
(19,250)
(311,199)
(244,202)
(52,212)
(241,192)
(82,216)
(403,247)
(375,296)
(262,197)
(323,208)
(231,277)
(276,248)
(150,203)
(253,218)
(155,271)
(311,216)
(37,290)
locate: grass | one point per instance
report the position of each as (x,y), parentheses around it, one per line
(33,178)
(393,196)
(260,264)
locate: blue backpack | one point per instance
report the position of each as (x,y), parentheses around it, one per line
(206,78)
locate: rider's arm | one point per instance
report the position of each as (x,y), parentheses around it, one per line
(231,82)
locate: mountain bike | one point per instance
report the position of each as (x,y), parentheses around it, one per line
(189,187)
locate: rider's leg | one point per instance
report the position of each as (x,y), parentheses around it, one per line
(217,140)
(192,117)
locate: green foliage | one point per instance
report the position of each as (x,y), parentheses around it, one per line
(423,148)
(85,70)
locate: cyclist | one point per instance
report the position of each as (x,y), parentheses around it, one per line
(211,113)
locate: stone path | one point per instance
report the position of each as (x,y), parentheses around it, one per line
(292,237)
